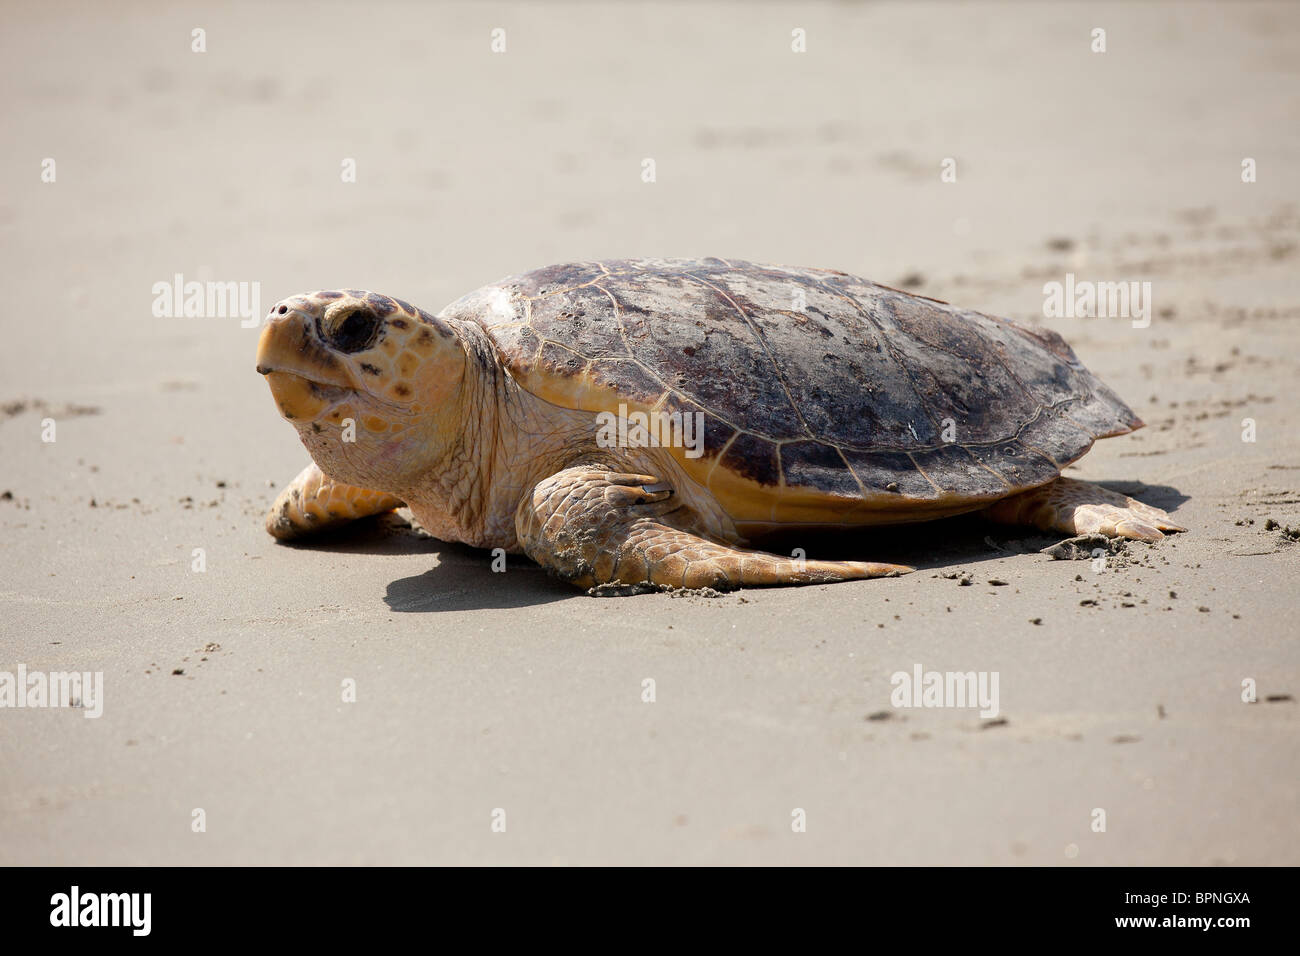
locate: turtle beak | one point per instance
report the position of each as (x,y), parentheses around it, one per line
(305,376)
(300,399)
(290,343)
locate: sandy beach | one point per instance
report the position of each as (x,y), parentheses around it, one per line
(323,147)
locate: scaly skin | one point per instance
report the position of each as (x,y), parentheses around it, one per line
(312,502)
(1077,507)
(593,527)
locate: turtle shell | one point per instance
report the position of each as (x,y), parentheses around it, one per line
(826,397)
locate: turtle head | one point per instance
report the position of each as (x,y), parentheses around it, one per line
(372,384)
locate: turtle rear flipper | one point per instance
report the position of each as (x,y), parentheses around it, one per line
(593,528)
(1080,507)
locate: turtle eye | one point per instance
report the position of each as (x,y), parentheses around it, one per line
(354,331)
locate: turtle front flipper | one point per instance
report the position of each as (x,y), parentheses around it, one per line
(314,502)
(1080,507)
(593,527)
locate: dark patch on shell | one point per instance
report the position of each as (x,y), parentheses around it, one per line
(950,466)
(881,469)
(754,458)
(811,464)
(715,438)
(1014,462)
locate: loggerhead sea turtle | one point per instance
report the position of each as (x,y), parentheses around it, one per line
(637,423)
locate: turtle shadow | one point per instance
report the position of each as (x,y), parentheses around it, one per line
(464,581)
(1159,496)
(386,534)
(921,545)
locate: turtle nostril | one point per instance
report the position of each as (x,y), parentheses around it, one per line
(283,309)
